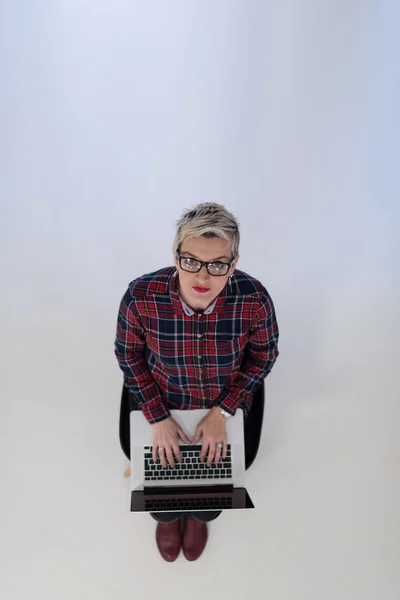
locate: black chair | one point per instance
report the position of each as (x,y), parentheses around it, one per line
(252,430)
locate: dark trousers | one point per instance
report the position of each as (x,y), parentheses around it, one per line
(202,517)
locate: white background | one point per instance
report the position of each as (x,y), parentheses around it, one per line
(115,116)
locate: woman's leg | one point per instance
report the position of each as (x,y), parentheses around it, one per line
(204,516)
(168,534)
(166,517)
(195,533)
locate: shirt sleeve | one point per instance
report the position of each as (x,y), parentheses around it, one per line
(129,350)
(260,355)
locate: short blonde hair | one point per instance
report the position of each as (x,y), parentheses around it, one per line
(208,220)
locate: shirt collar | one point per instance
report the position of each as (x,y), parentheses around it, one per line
(191,312)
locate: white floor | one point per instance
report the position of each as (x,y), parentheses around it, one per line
(325,485)
(116,117)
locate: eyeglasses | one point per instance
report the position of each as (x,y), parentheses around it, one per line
(216,269)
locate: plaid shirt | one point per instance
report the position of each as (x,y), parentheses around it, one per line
(174,358)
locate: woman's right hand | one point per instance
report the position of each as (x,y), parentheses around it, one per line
(165,442)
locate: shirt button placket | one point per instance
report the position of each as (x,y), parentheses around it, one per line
(199,356)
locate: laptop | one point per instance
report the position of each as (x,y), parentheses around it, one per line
(191,485)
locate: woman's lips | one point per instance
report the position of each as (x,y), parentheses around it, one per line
(201,290)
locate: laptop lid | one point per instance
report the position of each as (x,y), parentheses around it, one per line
(190,499)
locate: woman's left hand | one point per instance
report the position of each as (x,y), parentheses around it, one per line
(213,431)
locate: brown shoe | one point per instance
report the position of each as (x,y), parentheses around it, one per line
(168,537)
(194,538)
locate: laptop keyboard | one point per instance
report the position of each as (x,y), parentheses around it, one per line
(187,504)
(191,467)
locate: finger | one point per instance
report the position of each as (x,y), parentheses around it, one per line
(225,449)
(211,453)
(197,436)
(218,452)
(161,454)
(203,452)
(183,436)
(155,452)
(177,452)
(170,456)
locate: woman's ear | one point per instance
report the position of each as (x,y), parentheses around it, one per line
(233,267)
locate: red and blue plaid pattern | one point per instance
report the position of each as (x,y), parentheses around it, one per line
(171,360)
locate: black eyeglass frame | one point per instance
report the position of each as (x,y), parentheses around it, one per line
(204,264)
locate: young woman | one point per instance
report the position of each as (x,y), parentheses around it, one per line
(200,334)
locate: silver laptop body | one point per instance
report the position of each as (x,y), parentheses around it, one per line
(191,486)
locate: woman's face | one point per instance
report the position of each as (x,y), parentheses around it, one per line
(199,290)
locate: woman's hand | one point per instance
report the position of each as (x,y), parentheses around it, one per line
(213,430)
(165,442)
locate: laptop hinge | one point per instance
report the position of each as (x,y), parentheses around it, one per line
(182,491)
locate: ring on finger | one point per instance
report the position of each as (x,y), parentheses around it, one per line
(220,445)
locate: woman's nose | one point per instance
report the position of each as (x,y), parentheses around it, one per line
(202,275)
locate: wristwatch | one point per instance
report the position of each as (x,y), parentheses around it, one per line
(224,413)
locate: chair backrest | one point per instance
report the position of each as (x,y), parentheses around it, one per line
(252,430)
(253,426)
(124,425)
